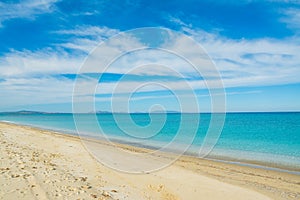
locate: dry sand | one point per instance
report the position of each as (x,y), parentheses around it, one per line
(40,164)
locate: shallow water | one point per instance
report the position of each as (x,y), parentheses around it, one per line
(272,138)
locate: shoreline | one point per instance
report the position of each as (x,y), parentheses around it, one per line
(127,145)
(193,174)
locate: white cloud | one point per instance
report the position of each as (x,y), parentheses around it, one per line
(83,45)
(240,62)
(251,62)
(43,62)
(95,31)
(292,18)
(265,61)
(86,38)
(25,9)
(30,91)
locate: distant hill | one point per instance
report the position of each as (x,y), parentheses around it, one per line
(25,112)
(167,111)
(97,112)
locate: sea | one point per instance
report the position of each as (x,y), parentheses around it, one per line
(258,139)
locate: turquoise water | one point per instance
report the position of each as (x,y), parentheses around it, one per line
(272,138)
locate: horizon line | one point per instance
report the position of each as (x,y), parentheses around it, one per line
(137,112)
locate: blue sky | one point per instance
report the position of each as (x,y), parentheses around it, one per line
(255,45)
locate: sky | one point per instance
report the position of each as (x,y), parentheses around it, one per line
(254,46)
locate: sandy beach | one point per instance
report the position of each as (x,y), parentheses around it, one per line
(41,164)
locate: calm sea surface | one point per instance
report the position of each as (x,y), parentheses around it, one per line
(272,138)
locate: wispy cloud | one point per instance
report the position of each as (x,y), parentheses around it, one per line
(241,63)
(250,62)
(292,18)
(84,38)
(46,61)
(30,91)
(94,31)
(25,9)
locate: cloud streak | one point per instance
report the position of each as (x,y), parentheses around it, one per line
(251,62)
(242,63)
(27,9)
(292,18)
